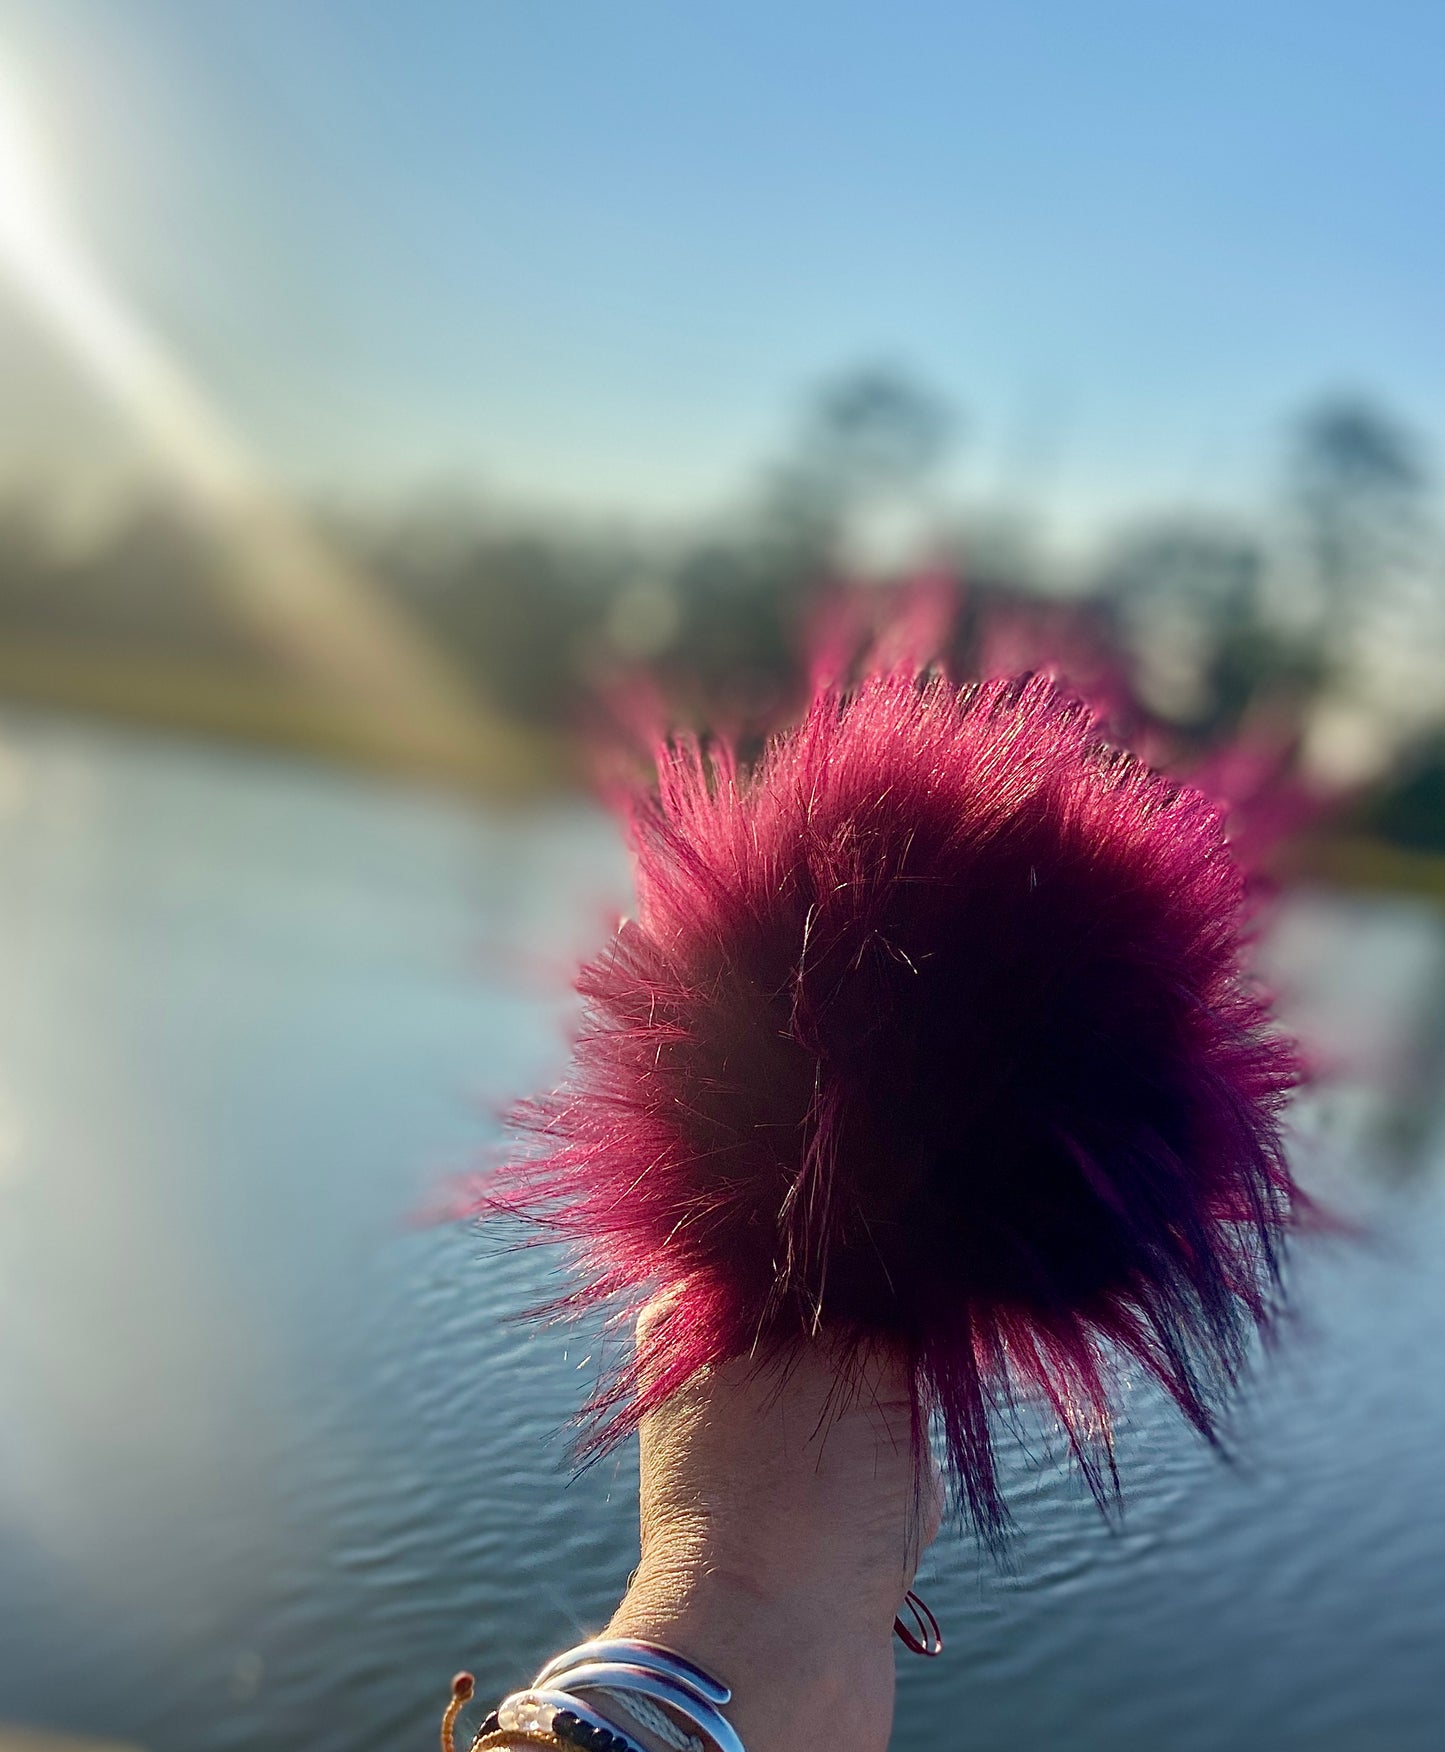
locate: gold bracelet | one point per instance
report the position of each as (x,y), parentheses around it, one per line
(509,1737)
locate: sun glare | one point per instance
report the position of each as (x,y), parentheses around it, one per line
(300,595)
(27,234)
(48,266)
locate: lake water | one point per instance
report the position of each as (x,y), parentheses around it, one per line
(272,1462)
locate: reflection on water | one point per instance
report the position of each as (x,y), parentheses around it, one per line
(272,1465)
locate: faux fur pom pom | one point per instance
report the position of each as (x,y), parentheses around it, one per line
(932,1027)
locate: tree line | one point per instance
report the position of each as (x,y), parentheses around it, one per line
(1323,609)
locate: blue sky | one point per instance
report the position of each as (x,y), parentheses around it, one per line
(595,251)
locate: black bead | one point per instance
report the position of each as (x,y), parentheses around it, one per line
(491,1724)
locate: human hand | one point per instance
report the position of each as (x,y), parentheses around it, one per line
(783,1515)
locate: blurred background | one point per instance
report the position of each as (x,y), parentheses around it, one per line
(384,388)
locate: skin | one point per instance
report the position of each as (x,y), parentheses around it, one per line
(782,1519)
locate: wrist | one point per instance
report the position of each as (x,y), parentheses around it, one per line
(803,1672)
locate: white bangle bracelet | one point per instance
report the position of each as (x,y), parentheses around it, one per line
(649,1655)
(636,1678)
(717,1731)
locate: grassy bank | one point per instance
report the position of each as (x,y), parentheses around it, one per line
(1354,862)
(502,760)
(499,759)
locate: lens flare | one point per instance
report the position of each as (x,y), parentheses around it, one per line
(311,606)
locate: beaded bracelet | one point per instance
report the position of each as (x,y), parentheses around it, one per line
(534,1718)
(564,1715)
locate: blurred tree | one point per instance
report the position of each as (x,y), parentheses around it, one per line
(148,586)
(519,610)
(1410,811)
(869,436)
(24,557)
(1209,565)
(1358,483)
(1186,595)
(1360,492)
(876,430)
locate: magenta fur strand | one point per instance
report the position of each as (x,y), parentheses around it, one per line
(932,1028)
